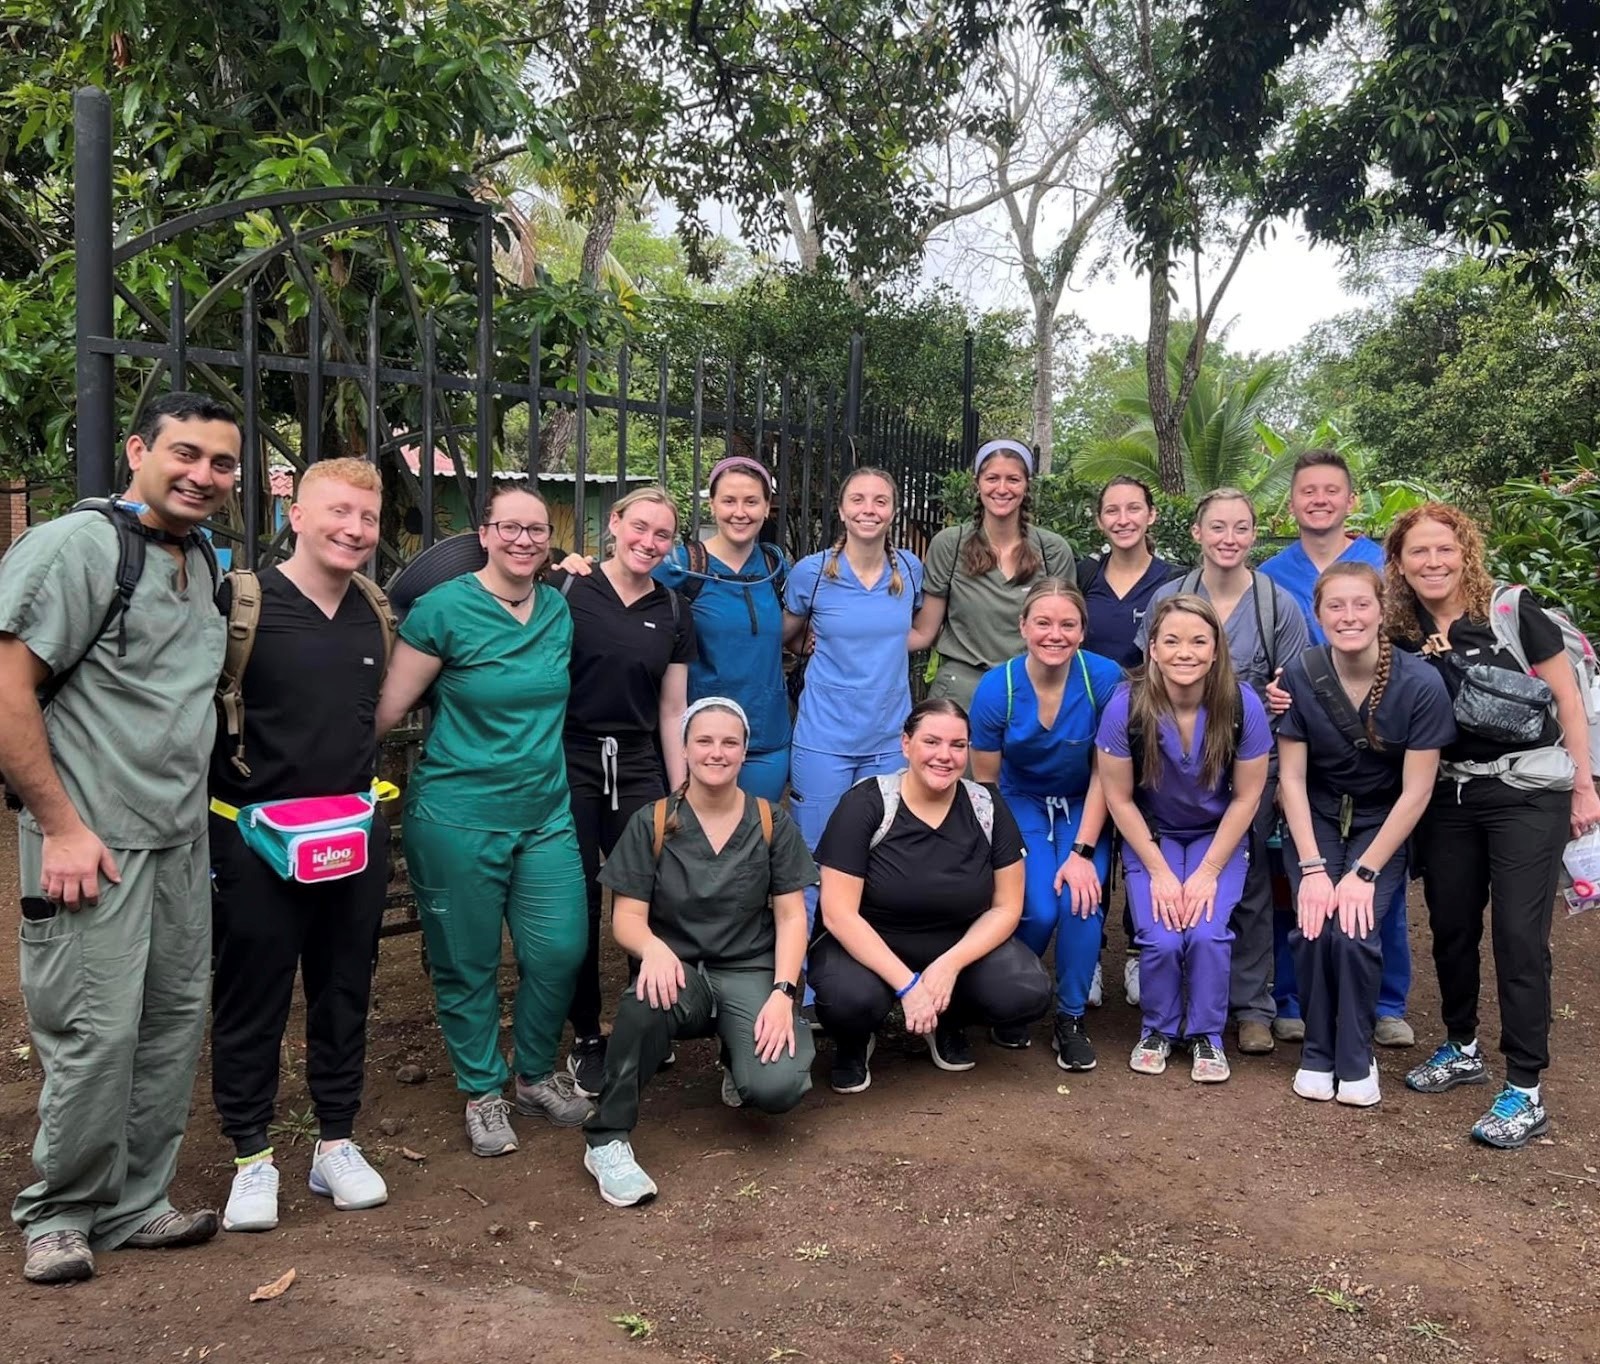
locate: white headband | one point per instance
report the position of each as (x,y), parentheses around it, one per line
(1011,447)
(716,703)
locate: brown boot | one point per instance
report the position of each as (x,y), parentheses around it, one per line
(1255,1037)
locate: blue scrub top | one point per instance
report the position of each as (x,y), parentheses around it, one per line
(738,625)
(1297,575)
(858,682)
(1113,625)
(1035,761)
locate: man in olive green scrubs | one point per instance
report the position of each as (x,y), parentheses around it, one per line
(116,904)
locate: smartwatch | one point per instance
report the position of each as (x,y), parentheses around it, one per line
(1084,850)
(1365,873)
(787,987)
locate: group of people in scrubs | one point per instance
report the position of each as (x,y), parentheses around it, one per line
(628,724)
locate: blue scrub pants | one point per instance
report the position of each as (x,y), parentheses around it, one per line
(817,782)
(1049,829)
(1395,984)
(765,774)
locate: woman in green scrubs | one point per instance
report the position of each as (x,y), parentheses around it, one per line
(707,895)
(488,831)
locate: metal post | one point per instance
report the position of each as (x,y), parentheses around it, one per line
(535,363)
(178,338)
(311,436)
(425,454)
(250,463)
(969,418)
(622,421)
(484,378)
(852,392)
(785,459)
(699,435)
(661,421)
(91,206)
(580,526)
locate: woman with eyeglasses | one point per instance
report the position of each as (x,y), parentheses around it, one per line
(632,641)
(488,833)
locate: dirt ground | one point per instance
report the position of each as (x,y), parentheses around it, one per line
(1011,1214)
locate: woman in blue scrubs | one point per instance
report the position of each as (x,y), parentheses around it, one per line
(735,584)
(1034,720)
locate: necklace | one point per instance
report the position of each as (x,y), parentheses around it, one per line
(509,601)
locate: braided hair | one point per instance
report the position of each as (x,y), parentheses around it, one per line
(830,568)
(1370,576)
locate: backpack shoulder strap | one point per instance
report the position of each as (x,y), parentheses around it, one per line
(677,610)
(982,806)
(1265,592)
(777,570)
(1318,663)
(658,822)
(130,568)
(1089,569)
(378,600)
(1191,581)
(764,809)
(566,584)
(244,615)
(889,789)
(1505,620)
(1011,689)
(1088,685)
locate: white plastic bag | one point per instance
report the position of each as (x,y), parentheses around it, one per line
(1581,864)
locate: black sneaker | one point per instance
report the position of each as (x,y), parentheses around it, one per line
(1447,1068)
(852,1071)
(1073,1049)
(947,1044)
(586,1063)
(1012,1039)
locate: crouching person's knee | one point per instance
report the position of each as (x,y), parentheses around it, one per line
(775,1088)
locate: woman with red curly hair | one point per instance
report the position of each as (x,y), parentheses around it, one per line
(1513,787)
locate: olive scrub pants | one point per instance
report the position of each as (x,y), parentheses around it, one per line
(116,996)
(470,882)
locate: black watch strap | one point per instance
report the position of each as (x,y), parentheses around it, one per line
(1085,850)
(787,987)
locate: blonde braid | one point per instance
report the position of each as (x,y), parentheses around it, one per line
(830,568)
(1380,681)
(897,584)
(674,803)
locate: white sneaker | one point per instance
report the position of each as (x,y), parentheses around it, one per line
(1360,1093)
(253,1199)
(1314,1084)
(622,1183)
(341,1173)
(1130,981)
(730,1091)
(1096,990)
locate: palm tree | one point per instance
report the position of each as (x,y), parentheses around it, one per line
(1225,441)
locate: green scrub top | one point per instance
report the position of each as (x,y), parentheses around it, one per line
(711,907)
(493,758)
(981,614)
(131,736)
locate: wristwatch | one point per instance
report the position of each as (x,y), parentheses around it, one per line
(1365,873)
(787,987)
(1084,850)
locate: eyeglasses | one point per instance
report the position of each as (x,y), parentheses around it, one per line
(512,531)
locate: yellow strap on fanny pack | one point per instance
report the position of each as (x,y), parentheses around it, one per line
(382,792)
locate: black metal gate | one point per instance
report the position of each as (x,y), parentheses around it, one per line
(365,321)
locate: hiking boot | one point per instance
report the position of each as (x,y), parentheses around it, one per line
(622,1183)
(1361,1093)
(489,1126)
(586,1064)
(1012,1039)
(253,1198)
(947,1044)
(58,1257)
(1130,981)
(852,1068)
(1289,1029)
(1210,1064)
(1512,1121)
(1255,1037)
(1150,1056)
(553,1097)
(341,1173)
(1447,1068)
(172,1229)
(1073,1049)
(1393,1032)
(1314,1084)
(730,1091)
(1097,988)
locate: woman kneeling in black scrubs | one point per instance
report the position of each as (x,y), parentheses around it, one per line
(921,893)
(691,879)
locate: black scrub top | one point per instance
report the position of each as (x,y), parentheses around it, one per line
(1114,621)
(919,878)
(711,907)
(1414,713)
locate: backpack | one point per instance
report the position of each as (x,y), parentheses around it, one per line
(889,789)
(1266,612)
(1505,606)
(658,817)
(1318,663)
(699,566)
(244,616)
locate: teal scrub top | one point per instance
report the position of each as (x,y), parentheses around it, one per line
(1035,761)
(493,758)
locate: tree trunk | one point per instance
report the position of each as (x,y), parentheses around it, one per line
(1166,418)
(1044,367)
(562,425)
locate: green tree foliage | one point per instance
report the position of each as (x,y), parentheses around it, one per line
(1545,532)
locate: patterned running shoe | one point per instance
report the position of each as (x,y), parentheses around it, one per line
(1513,1120)
(1447,1068)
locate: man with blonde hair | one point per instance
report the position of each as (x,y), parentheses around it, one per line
(308,641)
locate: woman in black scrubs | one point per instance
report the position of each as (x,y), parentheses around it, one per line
(921,893)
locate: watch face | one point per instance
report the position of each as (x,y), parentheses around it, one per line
(1366,873)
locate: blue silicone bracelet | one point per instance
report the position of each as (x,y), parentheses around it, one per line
(910,986)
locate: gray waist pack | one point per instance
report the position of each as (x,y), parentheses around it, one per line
(1502,706)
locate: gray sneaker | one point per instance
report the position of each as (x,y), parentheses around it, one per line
(58,1257)
(489,1126)
(554,1098)
(622,1183)
(730,1091)
(171,1229)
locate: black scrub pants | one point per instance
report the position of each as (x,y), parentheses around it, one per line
(637,777)
(1250,975)
(263,929)
(1006,989)
(1483,840)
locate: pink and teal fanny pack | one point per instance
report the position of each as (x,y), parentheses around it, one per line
(316,839)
